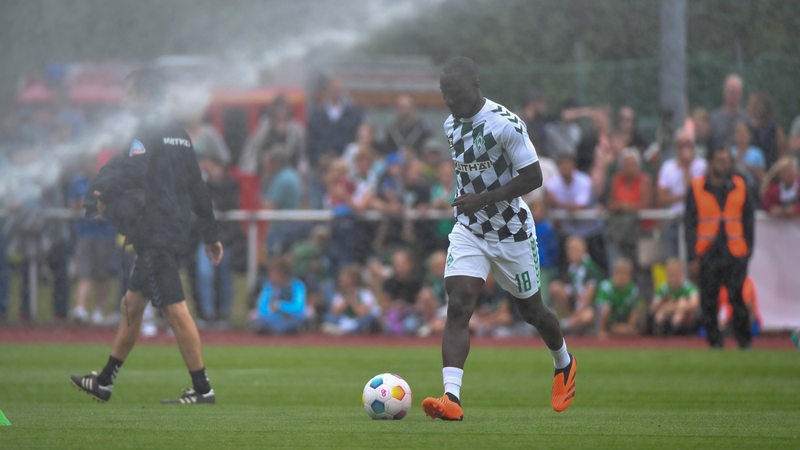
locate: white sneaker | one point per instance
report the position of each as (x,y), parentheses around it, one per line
(149,330)
(80,315)
(332,329)
(98,318)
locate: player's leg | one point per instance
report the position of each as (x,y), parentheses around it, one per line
(462,294)
(515,266)
(168,295)
(534,311)
(131,311)
(180,320)
(100,385)
(466,268)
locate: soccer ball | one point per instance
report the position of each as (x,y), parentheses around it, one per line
(386,396)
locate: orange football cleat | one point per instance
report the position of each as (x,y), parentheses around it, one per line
(564,385)
(443,408)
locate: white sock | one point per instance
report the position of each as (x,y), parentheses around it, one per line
(561,356)
(452,380)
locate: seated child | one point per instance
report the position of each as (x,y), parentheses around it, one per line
(618,302)
(573,299)
(676,304)
(354,308)
(281,303)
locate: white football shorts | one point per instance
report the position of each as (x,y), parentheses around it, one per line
(514,265)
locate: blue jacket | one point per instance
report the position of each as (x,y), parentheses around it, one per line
(295,305)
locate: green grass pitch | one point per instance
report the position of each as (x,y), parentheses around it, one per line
(310,397)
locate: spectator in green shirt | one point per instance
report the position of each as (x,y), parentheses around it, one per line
(676,304)
(618,302)
(573,298)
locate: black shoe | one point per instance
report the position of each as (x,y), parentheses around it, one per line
(89,384)
(190,396)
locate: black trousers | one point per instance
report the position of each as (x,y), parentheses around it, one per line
(711,279)
(58,263)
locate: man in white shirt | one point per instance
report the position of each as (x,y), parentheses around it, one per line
(571,190)
(674,180)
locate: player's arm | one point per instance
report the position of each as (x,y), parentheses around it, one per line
(528,178)
(522,156)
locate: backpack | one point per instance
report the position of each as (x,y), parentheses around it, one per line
(122,184)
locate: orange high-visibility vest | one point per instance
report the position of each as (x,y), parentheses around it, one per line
(709,216)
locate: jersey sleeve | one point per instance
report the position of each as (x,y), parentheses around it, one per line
(518,145)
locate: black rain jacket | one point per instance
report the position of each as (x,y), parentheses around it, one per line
(151,193)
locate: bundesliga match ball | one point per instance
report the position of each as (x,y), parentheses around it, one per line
(386,396)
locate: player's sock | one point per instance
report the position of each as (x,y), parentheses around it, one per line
(561,356)
(109,372)
(200,382)
(452,380)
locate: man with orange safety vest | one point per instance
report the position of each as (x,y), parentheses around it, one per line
(720,229)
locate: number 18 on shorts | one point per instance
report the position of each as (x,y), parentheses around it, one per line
(514,265)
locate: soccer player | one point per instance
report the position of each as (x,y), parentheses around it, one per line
(173,187)
(496,164)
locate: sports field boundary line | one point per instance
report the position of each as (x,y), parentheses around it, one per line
(63,334)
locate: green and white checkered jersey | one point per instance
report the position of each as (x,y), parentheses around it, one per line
(488,149)
(621,301)
(686,290)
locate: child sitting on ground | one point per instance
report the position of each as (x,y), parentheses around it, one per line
(674,309)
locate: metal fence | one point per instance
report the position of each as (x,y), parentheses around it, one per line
(253,219)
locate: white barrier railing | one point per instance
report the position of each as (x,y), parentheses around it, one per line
(254,217)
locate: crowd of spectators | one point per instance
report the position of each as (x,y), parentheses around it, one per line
(353,275)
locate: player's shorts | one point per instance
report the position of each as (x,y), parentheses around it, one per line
(95,258)
(514,265)
(156,275)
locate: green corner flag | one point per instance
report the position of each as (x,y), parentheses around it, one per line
(3,419)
